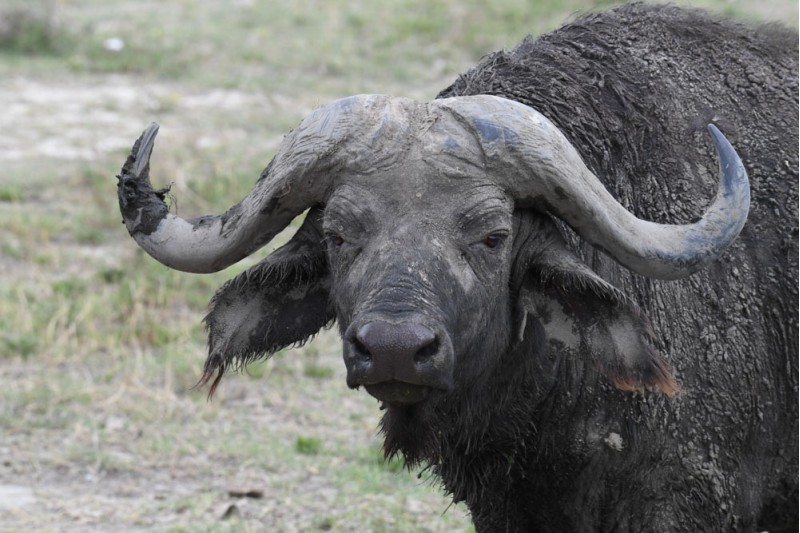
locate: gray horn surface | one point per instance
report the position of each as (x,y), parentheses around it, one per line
(298,177)
(538,166)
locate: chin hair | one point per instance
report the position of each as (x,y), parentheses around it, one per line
(409,432)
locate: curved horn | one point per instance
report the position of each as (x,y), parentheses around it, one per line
(298,177)
(547,169)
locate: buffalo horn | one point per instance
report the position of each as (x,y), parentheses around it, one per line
(539,167)
(298,177)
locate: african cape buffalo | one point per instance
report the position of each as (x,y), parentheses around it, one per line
(539,275)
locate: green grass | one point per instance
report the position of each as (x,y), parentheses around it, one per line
(10,193)
(100,346)
(30,28)
(308,445)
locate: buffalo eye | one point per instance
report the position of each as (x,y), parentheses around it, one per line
(335,239)
(494,240)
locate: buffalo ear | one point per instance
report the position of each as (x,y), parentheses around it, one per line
(583,315)
(281,301)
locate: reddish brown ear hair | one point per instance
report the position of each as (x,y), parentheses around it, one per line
(583,315)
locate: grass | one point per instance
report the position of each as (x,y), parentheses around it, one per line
(30,28)
(100,347)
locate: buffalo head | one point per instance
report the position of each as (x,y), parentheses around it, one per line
(429,238)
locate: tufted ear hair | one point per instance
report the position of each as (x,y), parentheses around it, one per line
(281,301)
(582,314)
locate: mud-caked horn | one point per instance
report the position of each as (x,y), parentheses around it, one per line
(538,166)
(299,176)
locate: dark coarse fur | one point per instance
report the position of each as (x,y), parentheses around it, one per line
(633,89)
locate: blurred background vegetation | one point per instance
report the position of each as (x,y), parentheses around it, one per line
(100,347)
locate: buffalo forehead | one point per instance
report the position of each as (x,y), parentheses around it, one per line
(418,191)
(392,131)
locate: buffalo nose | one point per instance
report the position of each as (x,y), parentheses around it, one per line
(399,342)
(397,363)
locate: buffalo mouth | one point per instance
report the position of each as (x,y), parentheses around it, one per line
(398,393)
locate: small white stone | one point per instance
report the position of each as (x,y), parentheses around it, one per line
(114,44)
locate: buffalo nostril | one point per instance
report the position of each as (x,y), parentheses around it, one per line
(362,350)
(427,351)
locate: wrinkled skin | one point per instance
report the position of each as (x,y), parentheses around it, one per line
(548,387)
